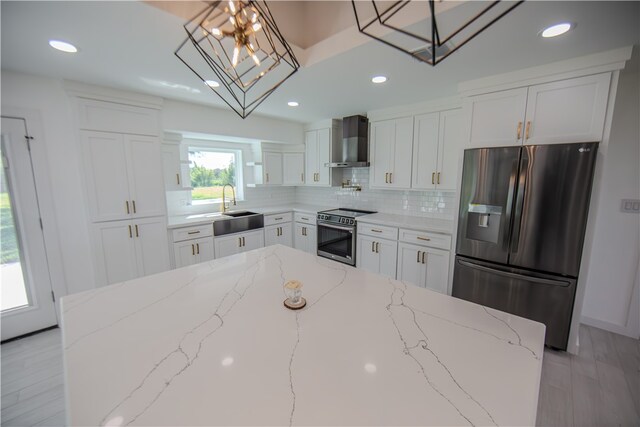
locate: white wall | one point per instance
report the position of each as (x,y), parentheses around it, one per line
(48,97)
(181,116)
(611,292)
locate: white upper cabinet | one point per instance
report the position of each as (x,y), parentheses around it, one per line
(320,145)
(497,119)
(272,162)
(293,168)
(571,110)
(123,176)
(425,151)
(171,167)
(391,151)
(567,111)
(144,166)
(451,142)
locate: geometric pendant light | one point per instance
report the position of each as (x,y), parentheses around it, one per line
(237,50)
(429,31)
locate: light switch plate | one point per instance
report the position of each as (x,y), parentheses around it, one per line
(630,206)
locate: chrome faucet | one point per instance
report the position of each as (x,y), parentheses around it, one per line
(224,207)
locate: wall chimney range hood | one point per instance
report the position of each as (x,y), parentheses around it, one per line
(355,143)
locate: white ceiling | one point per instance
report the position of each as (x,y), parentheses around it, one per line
(130,45)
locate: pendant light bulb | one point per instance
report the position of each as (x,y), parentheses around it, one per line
(236,54)
(216,31)
(232,7)
(256,27)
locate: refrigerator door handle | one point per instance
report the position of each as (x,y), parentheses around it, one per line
(522,181)
(509,207)
(515,275)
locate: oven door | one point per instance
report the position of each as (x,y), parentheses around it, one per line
(337,242)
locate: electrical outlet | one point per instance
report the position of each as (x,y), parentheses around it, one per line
(630,206)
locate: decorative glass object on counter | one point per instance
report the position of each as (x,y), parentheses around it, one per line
(293,291)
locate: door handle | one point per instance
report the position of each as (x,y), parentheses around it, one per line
(438,178)
(137,235)
(377,247)
(522,182)
(198,248)
(423,253)
(178,178)
(127,204)
(526,132)
(193,249)
(193,232)
(433,178)
(426,239)
(239,242)
(133,202)
(517,276)
(519,131)
(130,233)
(390,177)
(243,243)
(386,178)
(418,258)
(267,177)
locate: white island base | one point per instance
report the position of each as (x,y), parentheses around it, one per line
(213,344)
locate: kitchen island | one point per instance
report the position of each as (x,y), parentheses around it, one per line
(212,344)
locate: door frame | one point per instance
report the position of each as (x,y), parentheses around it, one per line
(44,189)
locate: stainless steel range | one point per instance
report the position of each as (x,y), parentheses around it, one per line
(337,234)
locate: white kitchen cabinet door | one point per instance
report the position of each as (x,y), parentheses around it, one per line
(425,151)
(293,168)
(272,168)
(570,110)
(366,256)
(324,157)
(185,253)
(152,247)
(497,119)
(204,249)
(311,156)
(391,151)
(450,147)
(227,245)
(144,167)
(437,270)
(252,240)
(410,266)
(171,167)
(115,252)
(106,175)
(381,152)
(305,238)
(279,234)
(387,251)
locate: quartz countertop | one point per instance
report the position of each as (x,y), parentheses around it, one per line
(412,222)
(212,344)
(209,218)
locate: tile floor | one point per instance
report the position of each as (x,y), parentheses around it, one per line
(598,387)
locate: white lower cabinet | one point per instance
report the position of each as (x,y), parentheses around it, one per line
(279,234)
(305,238)
(377,255)
(423,266)
(129,249)
(238,243)
(193,251)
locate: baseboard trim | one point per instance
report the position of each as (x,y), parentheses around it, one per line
(19,337)
(607,326)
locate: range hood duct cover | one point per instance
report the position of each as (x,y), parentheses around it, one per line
(355,143)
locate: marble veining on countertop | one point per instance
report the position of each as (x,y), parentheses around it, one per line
(209,218)
(408,221)
(212,344)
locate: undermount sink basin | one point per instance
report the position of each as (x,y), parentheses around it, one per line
(239,214)
(237,222)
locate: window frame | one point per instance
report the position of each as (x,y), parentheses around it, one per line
(239,172)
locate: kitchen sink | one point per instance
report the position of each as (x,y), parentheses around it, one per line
(237,222)
(240,214)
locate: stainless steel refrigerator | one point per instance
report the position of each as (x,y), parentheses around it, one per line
(523,214)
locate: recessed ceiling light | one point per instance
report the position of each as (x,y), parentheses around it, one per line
(63,46)
(379,79)
(556,30)
(292,104)
(211,83)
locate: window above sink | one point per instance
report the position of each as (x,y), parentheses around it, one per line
(210,169)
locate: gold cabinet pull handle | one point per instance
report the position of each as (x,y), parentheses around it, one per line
(130,233)
(386,177)
(198,248)
(390,177)
(433,178)
(418,259)
(193,232)
(519,131)
(137,235)
(373,244)
(134,205)
(267,177)
(423,253)
(193,249)
(127,204)
(423,238)
(376,231)
(243,242)
(526,136)
(278,218)
(438,178)
(239,242)
(377,246)
(178,178)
